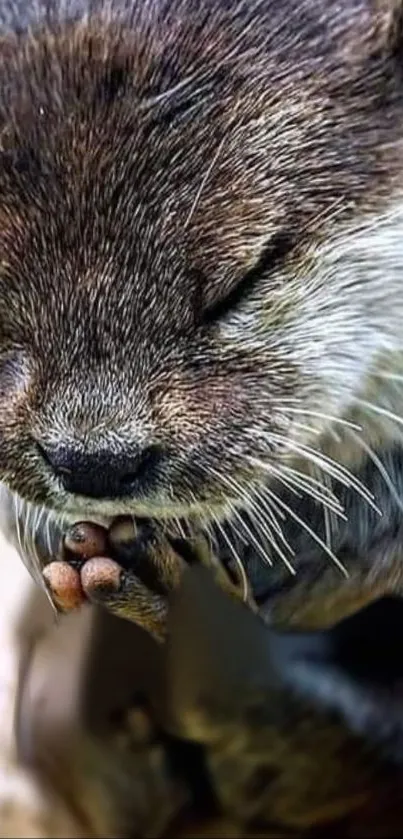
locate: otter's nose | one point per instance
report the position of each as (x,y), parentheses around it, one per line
(102,474)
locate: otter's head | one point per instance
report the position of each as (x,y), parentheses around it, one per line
(194,200)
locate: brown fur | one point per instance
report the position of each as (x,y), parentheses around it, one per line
(206,156)
(200,238)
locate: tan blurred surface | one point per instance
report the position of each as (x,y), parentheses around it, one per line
(26,809)
(73,673)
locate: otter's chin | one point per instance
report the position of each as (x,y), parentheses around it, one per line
(104,512)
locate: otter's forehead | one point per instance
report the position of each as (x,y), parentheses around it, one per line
(155,151)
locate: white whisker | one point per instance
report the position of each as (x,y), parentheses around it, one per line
(179,528)
(381,469)
(258,517)
(332,468)
(311,429)
(377,409)
(239,492)
(204,180)
(278,501)
(296,481)
(237,558)
(26,531)
(393,377)
(307,479)
(272,541)
(48,539)
(320,415)
(327,514)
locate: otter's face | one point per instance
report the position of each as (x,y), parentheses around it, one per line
(189,264)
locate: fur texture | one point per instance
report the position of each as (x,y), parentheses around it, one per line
(200,258)
(208,237)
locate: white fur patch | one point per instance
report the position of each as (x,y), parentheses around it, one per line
(339,320)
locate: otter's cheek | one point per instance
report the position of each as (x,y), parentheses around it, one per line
(15,376)
(15,387)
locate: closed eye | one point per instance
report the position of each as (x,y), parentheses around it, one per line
(272,256)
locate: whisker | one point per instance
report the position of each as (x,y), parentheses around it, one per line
(234,486)
(30,514)
(16,509)
(204,180)
(381,469)
(331,467)
(321,415)
(307,478)
(335,436)
(272,541)
(258,517)
(325,463)
(48,538)
(311,429)
(297,481)
(179,527)
(394,377)
(273,520)
(38,514)
(23,513)
(208,532)
(251,535)
(235,554)
(34,517)
(377,409)
(278,501)
(327,515)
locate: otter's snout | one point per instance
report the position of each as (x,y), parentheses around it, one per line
(103,474)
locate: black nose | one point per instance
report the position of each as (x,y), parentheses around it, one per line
(102,474)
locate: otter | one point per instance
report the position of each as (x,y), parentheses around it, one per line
(200,276)
(200,295)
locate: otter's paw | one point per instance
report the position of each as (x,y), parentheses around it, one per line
(129,569)
(158,560)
